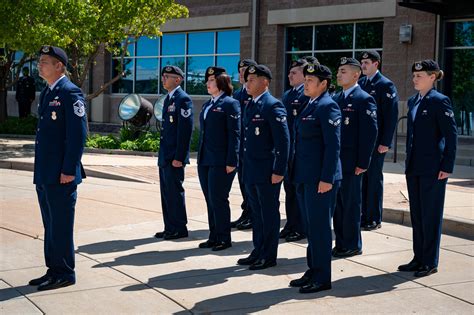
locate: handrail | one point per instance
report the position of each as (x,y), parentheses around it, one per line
(395,140)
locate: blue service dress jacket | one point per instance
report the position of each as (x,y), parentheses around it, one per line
(219,137)
(243,98)
(358,129)
(266,140)
(386,97)
(177,128)
(318,142)
(293,101)
(61,134)
(431,138)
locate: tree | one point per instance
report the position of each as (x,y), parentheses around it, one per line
(82,27)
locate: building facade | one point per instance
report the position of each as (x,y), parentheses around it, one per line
(220,32)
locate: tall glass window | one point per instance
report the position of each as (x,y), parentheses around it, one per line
(330,42)
(458,82)
(192,52)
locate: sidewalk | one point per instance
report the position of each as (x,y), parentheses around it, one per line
(458,211)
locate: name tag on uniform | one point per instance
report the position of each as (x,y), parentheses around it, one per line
(424,112)
(218,109)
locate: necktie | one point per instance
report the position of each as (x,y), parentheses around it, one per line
(367,84)
(415,108)
(207,108)
(167,101)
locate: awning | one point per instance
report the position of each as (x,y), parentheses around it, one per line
(464,8)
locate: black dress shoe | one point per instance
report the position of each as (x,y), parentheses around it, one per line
(245,225)
(284,233)
(246,261)
(304,280)
(262,264)
(371,226)
(294,237)
(221,246)
(411,266)
(176,235)
(53,283)
(207,244)
(424,271)
(344,253)
(315,287)
(39,280)
(335,250)
(160,234)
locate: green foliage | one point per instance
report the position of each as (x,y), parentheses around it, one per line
(102,142)
(128,140)
(82,27)
(195,140)
(15,125)
(129,145)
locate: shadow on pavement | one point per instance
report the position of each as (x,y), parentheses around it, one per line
(343,288)
(198,278)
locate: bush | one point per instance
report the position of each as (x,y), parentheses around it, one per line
(149,142)
(102,142)
(129,145)
(15,125)
(194,140)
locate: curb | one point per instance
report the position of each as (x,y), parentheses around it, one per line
(451,226)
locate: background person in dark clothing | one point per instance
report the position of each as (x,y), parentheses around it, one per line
(25,93)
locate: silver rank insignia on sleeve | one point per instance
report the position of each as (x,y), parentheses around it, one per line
(185,112)
(281,118)
(449,114)
(335,123)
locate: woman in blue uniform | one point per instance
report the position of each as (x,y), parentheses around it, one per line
(218,155)
(317,174)
(431,151)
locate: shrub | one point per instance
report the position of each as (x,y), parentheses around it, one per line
(129,145)
(194,140)
(102,142)
(15,125)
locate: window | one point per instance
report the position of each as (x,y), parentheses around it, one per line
(330,42)
(192,52)
(459,71)
(32,66)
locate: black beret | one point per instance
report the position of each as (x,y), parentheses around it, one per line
(245,63)
(55,52)
(349,61)
(317,70)
(259,70)
(311,59)
(425,65)
(173,70)
(213,71)
(370,54)
(298,63)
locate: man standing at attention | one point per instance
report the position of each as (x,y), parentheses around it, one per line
(60,139)
(174,153)
(385,94)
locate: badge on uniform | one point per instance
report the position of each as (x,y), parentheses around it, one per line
(79,108)
(257,131)
(449,114)
(53,115)
(185,112)
(336,123)
(171,119)
(371,114)
(346,121)
(295,112)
